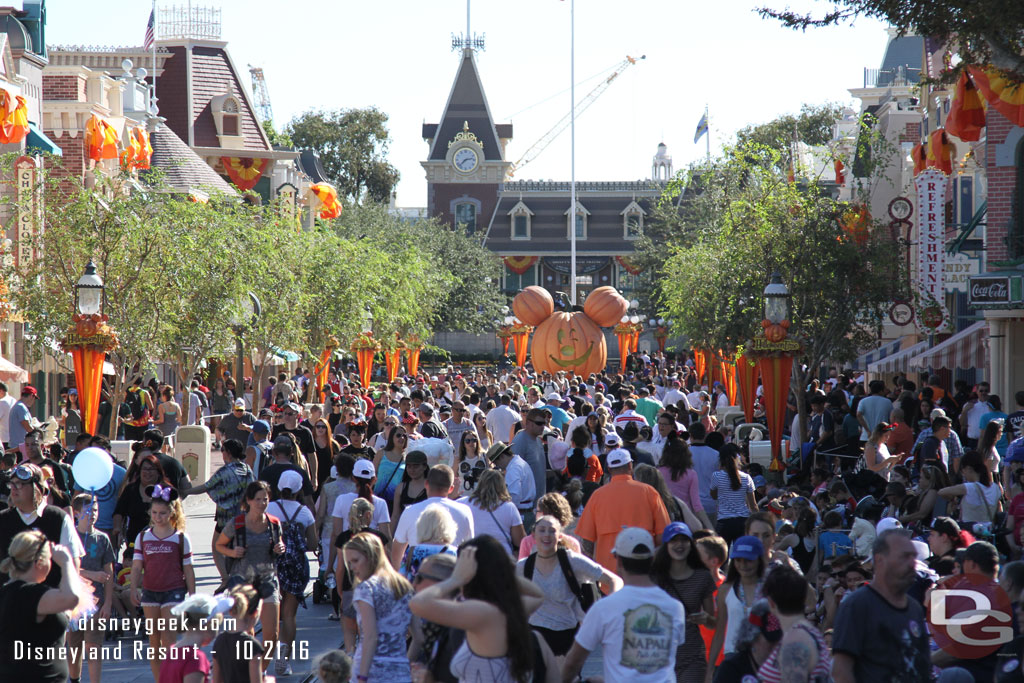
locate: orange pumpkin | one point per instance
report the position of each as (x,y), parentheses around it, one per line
(533,305)
(775,332)
(605,306)
(571,342)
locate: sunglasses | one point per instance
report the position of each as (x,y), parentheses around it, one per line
(290,414)
(401,436)
(470,441)
(540,423)
(321,427)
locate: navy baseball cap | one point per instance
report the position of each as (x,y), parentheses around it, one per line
(260,427)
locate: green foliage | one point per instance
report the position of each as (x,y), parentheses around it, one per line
(353,145)
(812,126)
(276,139)
(984,31)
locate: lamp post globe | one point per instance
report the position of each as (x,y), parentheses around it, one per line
(89,291)
(776,300)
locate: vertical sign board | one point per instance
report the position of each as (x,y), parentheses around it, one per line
(25,170)
(931,254)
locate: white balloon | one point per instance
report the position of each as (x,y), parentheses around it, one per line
(92,468)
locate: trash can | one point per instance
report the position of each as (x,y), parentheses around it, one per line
(192,450)
(122,451)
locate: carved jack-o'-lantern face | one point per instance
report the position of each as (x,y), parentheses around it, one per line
(569,342)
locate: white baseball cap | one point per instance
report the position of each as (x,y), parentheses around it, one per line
(887,523)
(363,470)
(554,396)
(290,481)
(611,439)
(634,543)
(240,403)
(619,457)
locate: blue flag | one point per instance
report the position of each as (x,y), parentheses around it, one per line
(702,128)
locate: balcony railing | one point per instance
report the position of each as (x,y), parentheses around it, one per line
(885,78)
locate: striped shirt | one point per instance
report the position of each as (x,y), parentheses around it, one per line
(732,503)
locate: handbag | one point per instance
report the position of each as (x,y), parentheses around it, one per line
(515,550)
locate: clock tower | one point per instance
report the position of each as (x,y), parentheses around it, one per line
(465,165)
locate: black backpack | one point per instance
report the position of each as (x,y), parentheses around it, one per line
(587,594)
(134,402)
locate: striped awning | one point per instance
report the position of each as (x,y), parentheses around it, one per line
(886,349)
(965,349)
(897,362)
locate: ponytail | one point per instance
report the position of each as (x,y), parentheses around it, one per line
(577,463)
(364,488)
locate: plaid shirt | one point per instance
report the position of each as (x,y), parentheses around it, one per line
(953,446)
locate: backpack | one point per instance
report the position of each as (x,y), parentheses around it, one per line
(134,402)
(587,594)
(239,539)
(293,565)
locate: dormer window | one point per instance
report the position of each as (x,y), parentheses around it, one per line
(581,222)
(227,115)
(520,218)
(633,221)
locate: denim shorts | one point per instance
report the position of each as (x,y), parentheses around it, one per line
(162,598)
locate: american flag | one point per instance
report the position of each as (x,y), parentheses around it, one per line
(147,42)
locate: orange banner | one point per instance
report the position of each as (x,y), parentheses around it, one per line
(700,364)
(940,151)
(920,156)
(746,381)
(413,356)
(775,373)
(392,361)
(625,341)
(100,139)
(966,116)
(520,339)
(321,370)
(628,265)
(519,264)
(244,172)
(89,377)
(13,118)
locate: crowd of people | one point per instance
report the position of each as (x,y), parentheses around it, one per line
(502,525)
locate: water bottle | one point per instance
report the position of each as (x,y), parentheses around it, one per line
(331,581)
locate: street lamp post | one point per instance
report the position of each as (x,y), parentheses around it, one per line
(88,341)
(249,313)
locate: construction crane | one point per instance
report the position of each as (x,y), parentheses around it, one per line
(536,148)
(260,94)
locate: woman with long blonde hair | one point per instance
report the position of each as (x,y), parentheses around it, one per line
(360,519)
(494,513)
(382,612)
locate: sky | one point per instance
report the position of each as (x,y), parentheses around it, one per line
(396,55)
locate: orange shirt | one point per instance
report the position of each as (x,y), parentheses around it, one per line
(620,503)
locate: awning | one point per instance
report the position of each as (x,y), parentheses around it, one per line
(37,140)
(289,356)
(886,349)
(965,349)
(9,372)
(897,362)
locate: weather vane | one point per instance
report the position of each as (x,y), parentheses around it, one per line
(469,40)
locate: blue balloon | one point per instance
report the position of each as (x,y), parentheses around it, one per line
(92,469)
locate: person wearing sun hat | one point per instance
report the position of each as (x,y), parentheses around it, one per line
(639,627)
(621,502)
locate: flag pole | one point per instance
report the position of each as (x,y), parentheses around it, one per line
(572,152)
(154,52)
(707,134)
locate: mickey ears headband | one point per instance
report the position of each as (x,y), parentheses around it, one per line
(164,493)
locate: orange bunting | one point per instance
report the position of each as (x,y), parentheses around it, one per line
(629,266)
(940,151)
(330,207)
(13,118)
(840,169)
(967,113)
(856,223)
(1005,94)
(145,154)
(100,139)
(244,172)
(920,157)
(519,264)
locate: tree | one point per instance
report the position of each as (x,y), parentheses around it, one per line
(984,31)
(276,139)
(812,126)
(353,145)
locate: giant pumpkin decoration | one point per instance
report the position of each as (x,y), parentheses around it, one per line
(569,341)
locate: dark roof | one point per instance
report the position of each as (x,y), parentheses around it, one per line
(466,104)
(211,75)
(906,52)
(309,162)
(183,169)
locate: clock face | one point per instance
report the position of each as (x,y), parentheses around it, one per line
(465,159)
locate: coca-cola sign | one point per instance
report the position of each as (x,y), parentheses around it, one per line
(989,290)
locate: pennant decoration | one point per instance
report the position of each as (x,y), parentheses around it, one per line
(629,266)
(940,151)
(244,173)
(967,113)
(140,136)
(837,164)
(100,139)
(1005,94)
(13,118)
(519,264)
(330,207)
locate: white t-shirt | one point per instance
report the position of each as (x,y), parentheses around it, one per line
(674,396)
(461,513)
(6,403)
(343,503)
(500,421)
(284,509)
(639,629)
(506,514)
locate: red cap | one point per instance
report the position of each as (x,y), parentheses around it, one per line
(29,390)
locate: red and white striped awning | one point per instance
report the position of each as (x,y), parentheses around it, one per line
(965,349)
(897,362)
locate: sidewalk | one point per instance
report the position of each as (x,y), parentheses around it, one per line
(315,634)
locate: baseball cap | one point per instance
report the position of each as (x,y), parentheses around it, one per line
(634,544)
(674,529)
(29,390)
(760,481)
(415,458)
(284,443)
(294,406)
(553,396)
(363,470)
(240,403)
(887,523)
(747,548)
(72,392)
(937,412)
(290,481)
(426,409)
(611,439)
(619,457)
(558,455)
(260,427)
